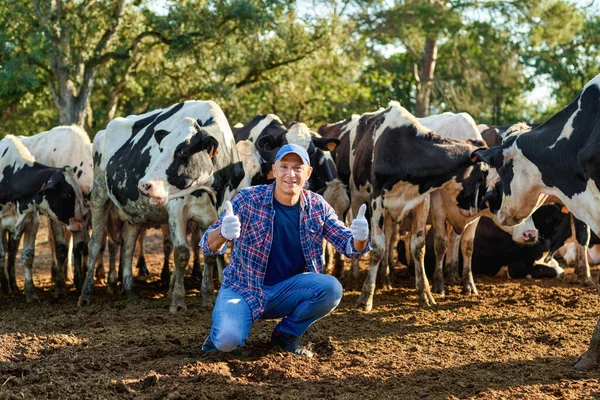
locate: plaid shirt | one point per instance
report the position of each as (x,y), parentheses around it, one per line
(248,264)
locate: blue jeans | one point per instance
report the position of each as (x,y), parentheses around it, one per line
(300,300)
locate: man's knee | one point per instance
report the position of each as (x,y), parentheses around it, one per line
(332,291)
(228,340)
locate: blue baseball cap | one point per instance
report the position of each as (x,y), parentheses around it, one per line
(293,148)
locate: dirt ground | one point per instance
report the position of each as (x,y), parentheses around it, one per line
(516,339)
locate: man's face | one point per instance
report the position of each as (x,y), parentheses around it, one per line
(291,174)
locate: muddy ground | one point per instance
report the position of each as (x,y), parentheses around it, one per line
(516,339)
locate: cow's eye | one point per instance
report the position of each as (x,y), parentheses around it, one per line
(183,153)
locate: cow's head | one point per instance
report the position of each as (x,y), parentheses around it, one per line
(520,193)
(61,198)
(184,164)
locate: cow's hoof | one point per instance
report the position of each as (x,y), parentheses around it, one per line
(426,300)
(438,287)
(32,298)
(84,301)
(364,302)
(469,289)
(587,281)
(453,279)
(131,294)
(586,362)
(60,291)
(208,301)
(177,306)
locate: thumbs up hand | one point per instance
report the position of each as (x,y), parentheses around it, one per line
(230,227)
(360,225)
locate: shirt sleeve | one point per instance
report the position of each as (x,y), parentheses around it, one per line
(339,235)
(236,204)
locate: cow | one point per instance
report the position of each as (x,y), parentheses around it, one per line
(443,210)
(401,163)
(170,166)
(558,158)
(59,147)
(29,187)
(494,248)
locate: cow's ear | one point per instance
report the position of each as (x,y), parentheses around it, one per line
(211,145)
(328,144)
(492,156)
(270,143)
(160,134)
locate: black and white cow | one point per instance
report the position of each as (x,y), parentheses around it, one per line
(59,147)
(403,162)
(493,248)
(27,187)
(444,210)
(170,166)
(560,158)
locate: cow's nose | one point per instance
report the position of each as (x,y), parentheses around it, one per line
(144,187)
(530,236)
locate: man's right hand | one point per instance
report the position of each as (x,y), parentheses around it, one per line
(230,227)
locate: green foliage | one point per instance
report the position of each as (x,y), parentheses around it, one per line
(262,56)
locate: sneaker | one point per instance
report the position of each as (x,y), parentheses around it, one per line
(209,346)
(289,343)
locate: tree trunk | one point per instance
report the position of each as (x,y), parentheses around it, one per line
(425,79)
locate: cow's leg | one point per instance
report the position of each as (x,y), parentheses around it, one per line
(80,248)
(177,226)
(99,203)
(365,300)
(208,285)
(196,269)
(391,251)
(113,276)
(165,274)
(417,248)
(590,358)
(62,250)
(100,264)
(141,262)
(52,247)
(221,264)
(11,258)
(130,235)
(440,241)
(69,261)
(4,279)
(467,246)
(386,266)
(28,254)
(582,266)
(452,256)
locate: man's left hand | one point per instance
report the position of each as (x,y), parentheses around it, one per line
(360,225)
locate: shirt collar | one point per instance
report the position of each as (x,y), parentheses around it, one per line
(270,193)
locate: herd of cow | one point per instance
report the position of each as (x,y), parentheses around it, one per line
(176,167)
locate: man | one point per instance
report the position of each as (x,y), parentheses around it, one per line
(276,266)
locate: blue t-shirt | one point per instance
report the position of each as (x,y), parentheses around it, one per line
(286,258)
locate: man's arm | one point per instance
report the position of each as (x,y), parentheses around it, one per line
(225,228)
(215,240)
